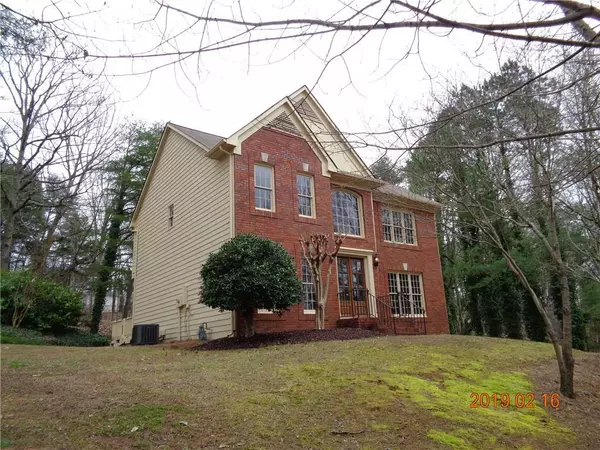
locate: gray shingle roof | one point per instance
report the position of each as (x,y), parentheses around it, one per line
(397,191)
(207,139)
(210,140)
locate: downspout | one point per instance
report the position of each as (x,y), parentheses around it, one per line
(373,216)
(376,254)
(179,312)
(232,224)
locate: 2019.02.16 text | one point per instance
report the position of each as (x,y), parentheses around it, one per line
(518,400)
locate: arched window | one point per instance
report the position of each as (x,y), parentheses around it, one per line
(346,213)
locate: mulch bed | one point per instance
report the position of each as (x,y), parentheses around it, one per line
(288,337)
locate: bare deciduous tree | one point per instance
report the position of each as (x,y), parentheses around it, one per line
(57,135)
(315,251)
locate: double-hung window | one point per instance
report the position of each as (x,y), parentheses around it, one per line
(406,292)
(308,288)
(306,199)
(263,188)
(398,227)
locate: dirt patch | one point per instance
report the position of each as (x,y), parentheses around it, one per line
(288,337)
(190,344)
(581,414)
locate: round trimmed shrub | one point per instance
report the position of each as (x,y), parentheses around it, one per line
(248,273)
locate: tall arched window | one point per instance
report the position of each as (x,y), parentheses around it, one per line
(346,213)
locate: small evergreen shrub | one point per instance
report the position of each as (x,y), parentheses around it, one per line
(44,304)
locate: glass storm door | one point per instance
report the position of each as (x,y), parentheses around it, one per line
(352,292)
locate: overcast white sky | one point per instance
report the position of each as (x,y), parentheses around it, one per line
(229,88)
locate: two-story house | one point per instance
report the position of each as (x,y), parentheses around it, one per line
(289,172)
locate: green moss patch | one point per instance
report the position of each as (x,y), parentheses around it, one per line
(137,418)
(395,381)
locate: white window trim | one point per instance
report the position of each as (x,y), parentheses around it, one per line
(361,222)
(264,311)
(312,198)
(261,187)
(410,290)
(414,221)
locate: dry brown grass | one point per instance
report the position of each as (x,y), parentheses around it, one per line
(389,392)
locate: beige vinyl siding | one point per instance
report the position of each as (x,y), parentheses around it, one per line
(169,259)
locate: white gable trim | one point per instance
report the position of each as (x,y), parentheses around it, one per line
(306,94)
(286,106)
(254,125)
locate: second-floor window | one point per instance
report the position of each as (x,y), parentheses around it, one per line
(398,227)
(263,187)
(305,195)
(346,213)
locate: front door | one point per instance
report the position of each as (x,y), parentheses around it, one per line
(352,292)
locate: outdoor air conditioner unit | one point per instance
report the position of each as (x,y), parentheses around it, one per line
(145,334)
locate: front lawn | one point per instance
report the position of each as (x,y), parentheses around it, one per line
(386,392)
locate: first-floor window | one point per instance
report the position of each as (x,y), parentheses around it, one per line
(308,287)
(406,294)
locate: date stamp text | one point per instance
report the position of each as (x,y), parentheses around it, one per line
(518,400)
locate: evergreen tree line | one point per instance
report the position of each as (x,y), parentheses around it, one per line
(505,190)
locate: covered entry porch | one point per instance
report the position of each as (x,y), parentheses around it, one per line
(360,307)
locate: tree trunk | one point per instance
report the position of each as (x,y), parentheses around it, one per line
(112,307)
(40,257)
(320,312)
(322,291)
(128,295)
(320,316)
(566,379)
(7,240)
(565,359)
(248,316)
(108,262)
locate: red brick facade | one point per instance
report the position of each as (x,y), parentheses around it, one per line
(287,154)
